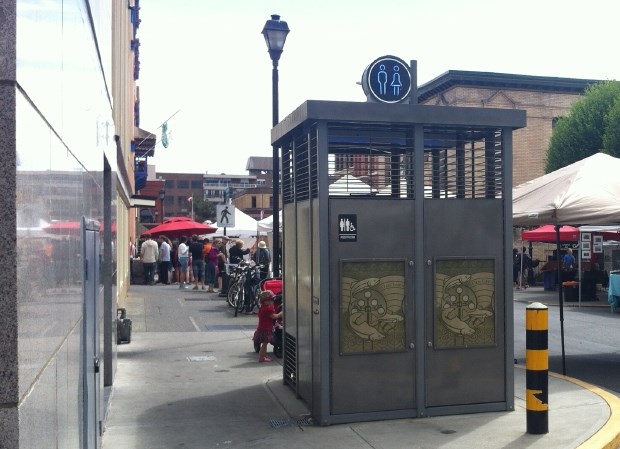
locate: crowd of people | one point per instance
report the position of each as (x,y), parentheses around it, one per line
(195,263)
(201,265)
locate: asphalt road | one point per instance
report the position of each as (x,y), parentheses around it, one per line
(591,343)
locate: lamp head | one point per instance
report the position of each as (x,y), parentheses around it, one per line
(275,32)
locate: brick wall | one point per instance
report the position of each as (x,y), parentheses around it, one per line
(530,143)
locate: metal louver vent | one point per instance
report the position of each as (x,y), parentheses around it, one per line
(462,164)
(290,360)
(371,161)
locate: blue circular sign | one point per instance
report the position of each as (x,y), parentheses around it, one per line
(388,80)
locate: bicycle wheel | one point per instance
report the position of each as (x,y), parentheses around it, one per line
(255,302)
(241,298)
(233,295)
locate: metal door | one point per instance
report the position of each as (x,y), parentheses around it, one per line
(464,307)
(372,309)
(91,424)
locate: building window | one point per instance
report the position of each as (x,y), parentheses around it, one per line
(196,185)
(183,184)
(270,202)
(169,183)
(253,202)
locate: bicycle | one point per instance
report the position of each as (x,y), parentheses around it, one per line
(246,290)
(233,288)
(237,274)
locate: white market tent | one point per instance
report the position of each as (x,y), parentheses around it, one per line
(349,185)
(245,227)
(585,192)
(266,224)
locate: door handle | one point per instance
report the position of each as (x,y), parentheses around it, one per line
(96,363)
(429,344)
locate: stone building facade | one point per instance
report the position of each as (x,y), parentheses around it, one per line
(544,99)
(68,98)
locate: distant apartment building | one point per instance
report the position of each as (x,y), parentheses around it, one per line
(219,188)
(261,167)
(250,193)
(179,188)
(257,202)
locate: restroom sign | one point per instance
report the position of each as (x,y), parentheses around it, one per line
(347,228)
(387,79)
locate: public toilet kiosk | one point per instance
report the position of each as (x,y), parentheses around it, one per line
(397,258)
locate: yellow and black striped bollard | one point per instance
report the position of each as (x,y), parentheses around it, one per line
(537,368)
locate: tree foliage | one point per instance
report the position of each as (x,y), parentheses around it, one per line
(592,126)
(611,137)
(204,210)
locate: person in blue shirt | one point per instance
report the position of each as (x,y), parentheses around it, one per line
(568,265)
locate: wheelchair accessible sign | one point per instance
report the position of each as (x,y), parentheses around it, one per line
(347,228)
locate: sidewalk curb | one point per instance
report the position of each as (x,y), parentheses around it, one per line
(608,436)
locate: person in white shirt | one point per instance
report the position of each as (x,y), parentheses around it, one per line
(149,253)
(183,259)
(164,260)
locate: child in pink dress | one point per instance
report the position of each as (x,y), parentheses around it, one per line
(264,331)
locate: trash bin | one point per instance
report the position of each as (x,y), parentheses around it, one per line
(571,291)
(123,327)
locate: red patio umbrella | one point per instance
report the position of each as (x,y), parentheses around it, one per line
(547,234)
(178,226)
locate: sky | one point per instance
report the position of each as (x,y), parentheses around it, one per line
(205,69)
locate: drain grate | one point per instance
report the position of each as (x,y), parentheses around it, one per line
(276,423)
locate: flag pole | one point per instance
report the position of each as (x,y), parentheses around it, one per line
(192,207)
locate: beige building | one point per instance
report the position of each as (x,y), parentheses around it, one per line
(544,99)
(256,202)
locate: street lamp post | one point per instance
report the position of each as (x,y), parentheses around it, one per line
(162,195)
(275,32)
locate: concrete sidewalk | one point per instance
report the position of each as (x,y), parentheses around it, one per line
(203,388)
